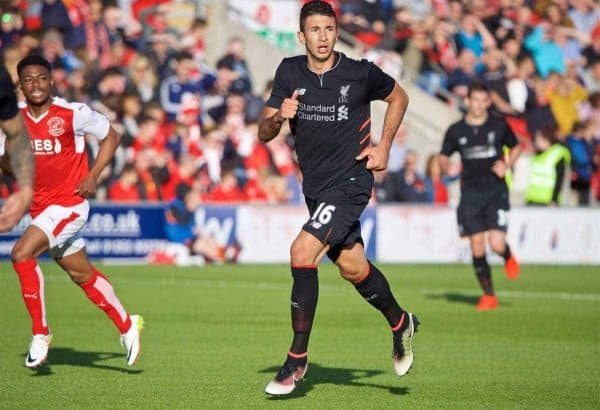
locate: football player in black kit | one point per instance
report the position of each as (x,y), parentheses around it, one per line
(325,96)
(15,151)
(480,138)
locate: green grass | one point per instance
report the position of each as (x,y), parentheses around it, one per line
(216,335)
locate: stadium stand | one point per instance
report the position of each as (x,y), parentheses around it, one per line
(185,92)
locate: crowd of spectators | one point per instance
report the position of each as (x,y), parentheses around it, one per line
(185,123)
(539,58)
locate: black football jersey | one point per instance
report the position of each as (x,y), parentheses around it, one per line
(479,147)
(332,125)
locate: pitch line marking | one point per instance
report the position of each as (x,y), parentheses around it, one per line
(233,284)
(517,294)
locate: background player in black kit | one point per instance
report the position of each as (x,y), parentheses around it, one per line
(15,149)
(480,139)
(326,97)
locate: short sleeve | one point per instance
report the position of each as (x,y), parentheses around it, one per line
(379,84)
(280,90)
(8,98)
(88,121)
(449,143)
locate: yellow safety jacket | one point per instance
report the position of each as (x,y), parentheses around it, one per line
(542,173)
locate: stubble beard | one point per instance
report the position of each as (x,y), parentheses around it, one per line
(318,58)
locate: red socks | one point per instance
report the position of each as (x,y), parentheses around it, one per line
(32,289)
(99,290)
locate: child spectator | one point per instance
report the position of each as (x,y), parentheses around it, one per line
(228,190)
(436,181)
(125,188)
(582,166)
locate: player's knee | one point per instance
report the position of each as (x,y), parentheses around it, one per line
(79,277)
(20,253)
(300,254)
(497,245)
(353,273)
(478,250)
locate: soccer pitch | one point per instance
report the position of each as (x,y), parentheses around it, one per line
(216,335)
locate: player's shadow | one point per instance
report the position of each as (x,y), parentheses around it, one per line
(318,374)
(458,298)
(455,297)
(67,356)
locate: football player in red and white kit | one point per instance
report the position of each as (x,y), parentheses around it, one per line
(59,209)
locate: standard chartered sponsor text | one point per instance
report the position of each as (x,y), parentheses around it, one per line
(317,112)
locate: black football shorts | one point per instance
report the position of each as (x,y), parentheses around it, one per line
(334,214)
(480,215)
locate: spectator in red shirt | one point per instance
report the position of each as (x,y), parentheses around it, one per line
(228,190)
(146,136)
(254,191)
(125,189)
(438,182)
(149,187)
(165,128)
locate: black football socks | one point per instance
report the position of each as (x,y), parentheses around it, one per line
(507,253)
(376,290)
(305,292)
(483,273)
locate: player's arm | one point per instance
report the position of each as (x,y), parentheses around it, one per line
(560,174)
(108,147)
(18,149)
(272,118)
(269,124)
(449,146)
(397,104)
(502,165)
(509,140)
(513,155)
(378,156)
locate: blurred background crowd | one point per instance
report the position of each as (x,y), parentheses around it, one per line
(189,128)
(539,58)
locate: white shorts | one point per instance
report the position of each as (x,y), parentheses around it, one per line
(62,225)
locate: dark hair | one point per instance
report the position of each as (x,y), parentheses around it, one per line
(581,125)
(477,85)
(33,59)
(144,118)
(129,167)
(319,7)
(199,22)
(110,72)
(523,56)
(550,132)
(183,55)
(594,99)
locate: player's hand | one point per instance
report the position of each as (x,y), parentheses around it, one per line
(499,168)
(87,187)
(377,158)
(289,107)
(14,208)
